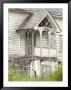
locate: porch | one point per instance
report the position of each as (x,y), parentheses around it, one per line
(40,43)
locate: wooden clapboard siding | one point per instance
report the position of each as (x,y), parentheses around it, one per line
(14,45)
(57,43)
(59,54)
(61,43)
(45,39)
(16,41)
(59,22)
(60,47)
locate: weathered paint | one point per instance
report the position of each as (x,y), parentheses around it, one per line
(35,68)
(14,39)
(16,42)
(59,21)
(54,66)
(45,52)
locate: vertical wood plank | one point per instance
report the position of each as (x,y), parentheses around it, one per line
(40,43)
(33,49)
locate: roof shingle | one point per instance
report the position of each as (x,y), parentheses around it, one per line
(37,15)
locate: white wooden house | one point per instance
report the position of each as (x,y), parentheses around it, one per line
(35,38)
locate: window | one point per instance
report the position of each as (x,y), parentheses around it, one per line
(52,40)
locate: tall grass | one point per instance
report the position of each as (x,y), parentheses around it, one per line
(13,75)
(57,75)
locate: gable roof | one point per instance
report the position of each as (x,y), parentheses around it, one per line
(36,15)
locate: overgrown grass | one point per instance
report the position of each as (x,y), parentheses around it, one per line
(57,75)
(13,75)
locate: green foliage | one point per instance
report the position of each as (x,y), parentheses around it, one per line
(17,76)
(57,75)
(13,75)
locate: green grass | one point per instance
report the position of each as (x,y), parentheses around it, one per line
(13,75)
(57,75)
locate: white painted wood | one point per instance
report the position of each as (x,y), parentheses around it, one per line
(14,20)
(17,46)
(22,44)
(36,68)
(59,22)
(45,52)
(54,66)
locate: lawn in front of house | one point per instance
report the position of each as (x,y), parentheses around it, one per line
(13,75)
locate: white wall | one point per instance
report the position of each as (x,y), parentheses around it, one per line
(59,22)
(59,55)
(36,68)
(14,20)
(45,52)
(54,66)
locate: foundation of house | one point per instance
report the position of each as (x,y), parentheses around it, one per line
(43,68)
(40,67)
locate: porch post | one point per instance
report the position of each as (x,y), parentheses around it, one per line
(49,42)
(33,51)
(27,43)
(40,43)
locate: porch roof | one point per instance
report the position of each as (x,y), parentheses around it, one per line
(37,15)
(29,58)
